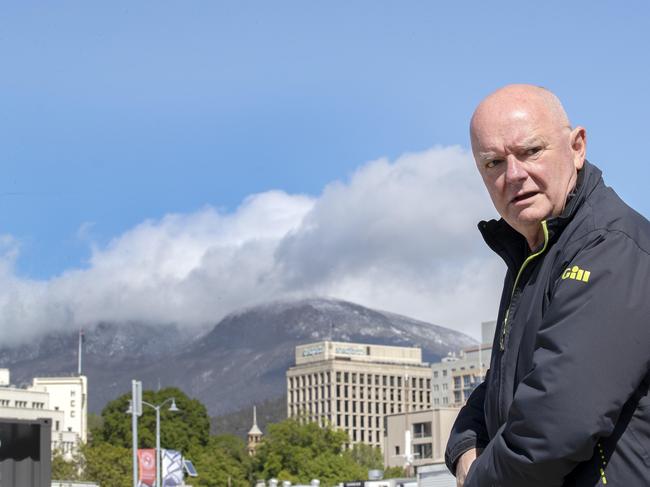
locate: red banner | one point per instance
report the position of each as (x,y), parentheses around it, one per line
(147,464)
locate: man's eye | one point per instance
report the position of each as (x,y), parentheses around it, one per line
(532,151)
(493,163)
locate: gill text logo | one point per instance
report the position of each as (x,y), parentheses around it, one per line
(576,273)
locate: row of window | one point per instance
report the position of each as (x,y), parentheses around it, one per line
(443,372)
(352,407)
(21,404)
(322,378)
(467,380)
(311,394)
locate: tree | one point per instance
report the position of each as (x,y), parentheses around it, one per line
(108,465)
(224,459)
(301,452)
(65,469)
(369,457)
(394,472)
(183,430)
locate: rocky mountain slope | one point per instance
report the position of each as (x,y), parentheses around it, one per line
(240,361)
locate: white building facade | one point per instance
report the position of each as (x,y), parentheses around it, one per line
(61,399)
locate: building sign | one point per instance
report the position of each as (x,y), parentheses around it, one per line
(308,352)
(351,350)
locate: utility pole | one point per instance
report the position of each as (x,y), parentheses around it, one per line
(136,410)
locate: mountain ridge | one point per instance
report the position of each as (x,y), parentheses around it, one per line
(239,361)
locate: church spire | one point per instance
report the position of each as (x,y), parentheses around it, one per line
(254,434)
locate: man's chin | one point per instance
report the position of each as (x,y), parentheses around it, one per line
(527,218)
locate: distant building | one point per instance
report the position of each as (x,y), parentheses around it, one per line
(418,438)
(456,375)
(62,399)
(254,435)
(353,386)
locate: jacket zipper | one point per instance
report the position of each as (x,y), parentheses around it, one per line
(530,258)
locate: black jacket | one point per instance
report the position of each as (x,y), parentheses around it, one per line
(565,402)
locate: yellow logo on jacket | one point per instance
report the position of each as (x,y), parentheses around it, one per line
(576,273)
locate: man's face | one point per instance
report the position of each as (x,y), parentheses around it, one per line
(528,161)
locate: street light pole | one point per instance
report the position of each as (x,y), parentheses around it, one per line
(173,409)
(158,446)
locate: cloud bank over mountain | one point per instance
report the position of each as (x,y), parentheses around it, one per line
(397,235)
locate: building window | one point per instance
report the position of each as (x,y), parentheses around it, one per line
(435,374)
(396,449)
(444,373)
(421,430)
(422,450)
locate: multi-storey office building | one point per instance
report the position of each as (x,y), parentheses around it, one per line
(69,394)
(69,423)
(456,375)
(354,386)
(418,438)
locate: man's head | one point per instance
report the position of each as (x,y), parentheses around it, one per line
(528,155)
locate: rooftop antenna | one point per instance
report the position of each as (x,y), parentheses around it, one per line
(79,352)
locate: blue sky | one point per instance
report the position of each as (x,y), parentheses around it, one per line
(118,113)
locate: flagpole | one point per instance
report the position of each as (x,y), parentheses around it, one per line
(81,339)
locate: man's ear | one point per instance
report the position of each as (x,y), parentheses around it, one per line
(578,141)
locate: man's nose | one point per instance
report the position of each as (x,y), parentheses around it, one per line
(515,172)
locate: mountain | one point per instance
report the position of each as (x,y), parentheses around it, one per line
(241,361)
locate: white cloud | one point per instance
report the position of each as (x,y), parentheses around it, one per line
(399,236)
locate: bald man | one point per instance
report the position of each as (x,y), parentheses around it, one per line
(565,401)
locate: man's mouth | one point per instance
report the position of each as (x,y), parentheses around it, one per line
(523,197)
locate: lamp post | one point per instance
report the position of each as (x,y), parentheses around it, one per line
(173,409)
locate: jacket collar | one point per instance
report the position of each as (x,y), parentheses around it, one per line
(512,246)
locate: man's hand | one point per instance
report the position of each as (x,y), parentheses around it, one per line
(464,462)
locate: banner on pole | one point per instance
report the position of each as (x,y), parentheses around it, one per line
(147,463)
(172,468)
